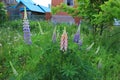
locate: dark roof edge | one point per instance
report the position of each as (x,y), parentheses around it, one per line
(41,8)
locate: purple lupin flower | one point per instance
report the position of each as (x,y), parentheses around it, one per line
(26,29)
(77,37)
(80,42)
(54,35)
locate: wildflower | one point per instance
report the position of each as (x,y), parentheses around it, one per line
(90,46)
(26,29)
(54,35)
(9,43)
(8,28)
(77,37)
(16,38)
(97,50)
(99,65)
(0,45)
(25,13)
(80,43)
(64,42)
(40,28)
(14,70)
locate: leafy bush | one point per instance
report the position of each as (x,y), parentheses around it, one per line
(3,13)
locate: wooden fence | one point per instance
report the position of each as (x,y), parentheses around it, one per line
(32,17)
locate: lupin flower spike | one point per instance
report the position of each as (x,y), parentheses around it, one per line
(13,69)
(98,48)
(90,46)
(64,41)
(99,64)
(26,28)
(40,28)
(25,13)
(77,36)
(54,35)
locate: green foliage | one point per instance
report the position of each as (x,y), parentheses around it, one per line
(64,8)
(99,14)
(3,13)
(89,8)
(43,60)
(109,11)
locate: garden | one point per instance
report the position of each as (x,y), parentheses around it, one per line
(41,50)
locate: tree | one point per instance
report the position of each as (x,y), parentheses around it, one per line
(105,17)
(99,14)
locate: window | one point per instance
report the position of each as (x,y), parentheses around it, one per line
(70,2)
(11,1)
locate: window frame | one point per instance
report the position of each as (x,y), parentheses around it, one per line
(66,1)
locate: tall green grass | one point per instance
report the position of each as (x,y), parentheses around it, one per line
(43,60)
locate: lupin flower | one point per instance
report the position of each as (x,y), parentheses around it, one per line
(0,45)
(26,29)
(97,50)
(54,35)
(90,46)
(40,28)
(13,69)
(64,41)
(77,37)
(99,64)
(80,43)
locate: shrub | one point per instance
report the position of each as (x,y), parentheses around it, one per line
(3,13)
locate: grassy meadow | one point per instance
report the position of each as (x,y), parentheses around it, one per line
(97,59)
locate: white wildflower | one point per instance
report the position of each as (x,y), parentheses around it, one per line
(9,43)
(16,38)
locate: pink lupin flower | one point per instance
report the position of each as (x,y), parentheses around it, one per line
(64,41)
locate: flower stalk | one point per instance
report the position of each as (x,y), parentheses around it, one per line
(13,69)
(26,29)
(40,28)
(77,37)
(64,41)
(54,39)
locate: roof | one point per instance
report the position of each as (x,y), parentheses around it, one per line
(33,7)
(46,9)
(30,1)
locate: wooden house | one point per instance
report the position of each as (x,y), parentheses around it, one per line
(15,9)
